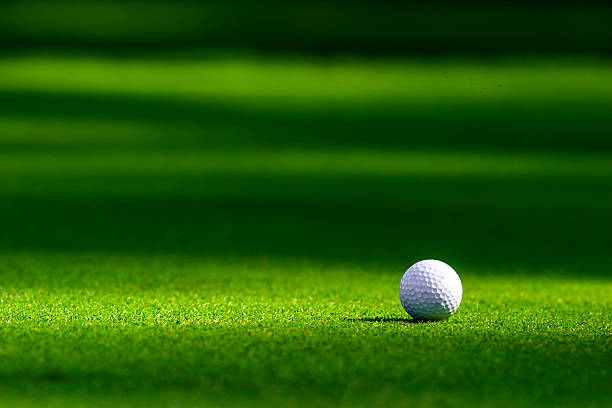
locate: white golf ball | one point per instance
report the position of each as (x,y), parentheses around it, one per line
(430,290)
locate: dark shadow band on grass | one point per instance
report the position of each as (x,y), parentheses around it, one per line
(379,319)
(570,125)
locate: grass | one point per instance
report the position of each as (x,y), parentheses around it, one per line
(186,326)
(309,26)
(233,232)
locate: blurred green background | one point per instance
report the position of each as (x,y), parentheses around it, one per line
(213,202)
(322,27)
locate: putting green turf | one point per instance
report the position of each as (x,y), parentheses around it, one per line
(233,231)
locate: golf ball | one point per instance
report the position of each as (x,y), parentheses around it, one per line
(430,290)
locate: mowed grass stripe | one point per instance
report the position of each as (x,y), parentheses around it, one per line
(300,82)
(451,165)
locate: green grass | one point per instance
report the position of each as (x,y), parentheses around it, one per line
(383,27)
(233,231)
(168,326)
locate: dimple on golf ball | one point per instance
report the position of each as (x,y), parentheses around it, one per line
(430,290)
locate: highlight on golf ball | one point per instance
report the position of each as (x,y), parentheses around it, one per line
(430,290)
